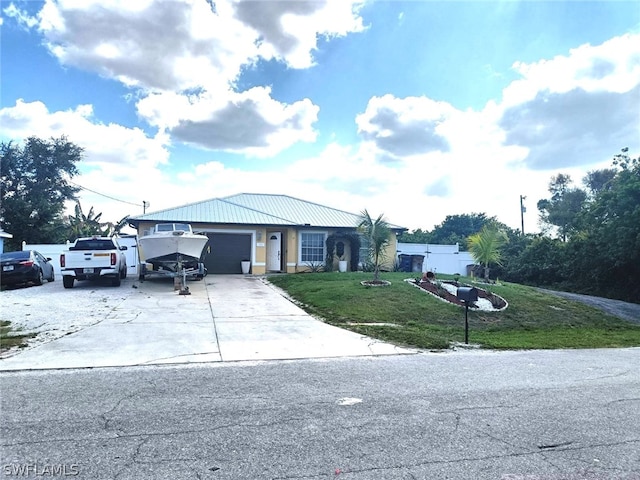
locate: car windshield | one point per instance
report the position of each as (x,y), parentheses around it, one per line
(15,255)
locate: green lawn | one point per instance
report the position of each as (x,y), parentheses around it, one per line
(532,320)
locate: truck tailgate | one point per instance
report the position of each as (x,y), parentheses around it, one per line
(91,260)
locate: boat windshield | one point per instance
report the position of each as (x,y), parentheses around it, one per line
(170,227)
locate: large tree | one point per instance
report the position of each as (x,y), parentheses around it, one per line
(34,184)
(457,228)
(562,209)
(416,236)
(606,255)
(599,180)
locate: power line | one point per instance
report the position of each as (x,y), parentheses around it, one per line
(104,195)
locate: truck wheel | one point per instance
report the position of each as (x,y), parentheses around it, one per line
(115,281)
(67,281)
(123,274)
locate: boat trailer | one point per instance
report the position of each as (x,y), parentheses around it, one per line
(178,270)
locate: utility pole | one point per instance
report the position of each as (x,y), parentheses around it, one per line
(522,210)
(145,204)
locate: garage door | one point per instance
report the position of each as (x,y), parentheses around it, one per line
(225,251)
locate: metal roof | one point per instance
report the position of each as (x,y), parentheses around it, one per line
(257,209)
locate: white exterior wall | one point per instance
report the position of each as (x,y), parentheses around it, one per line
(438,258)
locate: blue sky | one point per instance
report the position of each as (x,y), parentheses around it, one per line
(417,110)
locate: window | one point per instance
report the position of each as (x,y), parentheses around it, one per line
(312,247)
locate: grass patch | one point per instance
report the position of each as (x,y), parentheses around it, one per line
(10,337)
(533,319)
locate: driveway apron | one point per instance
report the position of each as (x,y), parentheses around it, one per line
(255,322)
(226,318)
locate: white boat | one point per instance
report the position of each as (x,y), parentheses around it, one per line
(171,243)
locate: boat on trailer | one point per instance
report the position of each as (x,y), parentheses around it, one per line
(172,248)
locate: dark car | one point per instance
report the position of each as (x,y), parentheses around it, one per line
(27,266)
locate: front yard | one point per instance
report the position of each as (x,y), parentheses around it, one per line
(405,315)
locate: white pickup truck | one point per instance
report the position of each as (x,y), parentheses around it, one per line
(93,258)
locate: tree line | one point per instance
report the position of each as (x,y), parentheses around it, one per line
(35,183)
(590,240)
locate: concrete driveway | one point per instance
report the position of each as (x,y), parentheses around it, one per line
(226,318)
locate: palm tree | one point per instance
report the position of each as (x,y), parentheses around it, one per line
(377,233)
(111,229)
(485,245)
(81,225)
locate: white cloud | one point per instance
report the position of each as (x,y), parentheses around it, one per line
(185,44)
(613,66)
(21,17)
(576,109)
(289,31)
(250,122)
(166,45)
(107,147)
(404,127)
(569,111)
(186,55)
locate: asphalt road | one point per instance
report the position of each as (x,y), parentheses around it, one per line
(536,415)
(618,308)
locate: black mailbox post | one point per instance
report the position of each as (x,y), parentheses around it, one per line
(467,295)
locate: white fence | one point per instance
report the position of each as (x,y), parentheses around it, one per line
(53,251)
(436,258)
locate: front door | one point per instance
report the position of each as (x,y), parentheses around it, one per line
(274,251)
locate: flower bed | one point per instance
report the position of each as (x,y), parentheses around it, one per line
(447,291)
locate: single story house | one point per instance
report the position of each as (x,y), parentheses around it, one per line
(277,233)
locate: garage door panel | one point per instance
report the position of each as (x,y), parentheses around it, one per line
(226,251)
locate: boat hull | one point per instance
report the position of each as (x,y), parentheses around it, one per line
(163,248)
